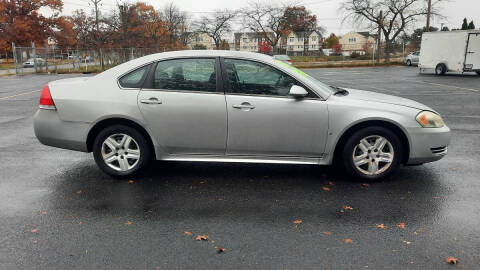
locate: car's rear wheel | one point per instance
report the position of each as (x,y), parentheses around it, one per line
(121,151)
(440,69)
(478,72)
(372,153)
(409,63)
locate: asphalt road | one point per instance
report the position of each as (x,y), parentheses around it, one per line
(58,211)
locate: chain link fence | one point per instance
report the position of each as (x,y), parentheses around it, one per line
(49,60)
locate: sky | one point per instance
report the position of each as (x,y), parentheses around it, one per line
(327,11)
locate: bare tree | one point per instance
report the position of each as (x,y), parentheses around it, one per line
(175,21)
(390,16)
(265,18)
(217,25)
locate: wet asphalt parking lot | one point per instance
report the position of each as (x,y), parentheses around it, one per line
(58,211)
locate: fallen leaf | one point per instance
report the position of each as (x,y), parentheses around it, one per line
(401,225)
(188,233)
(348,241)
(326,188)
(331,183)
(347,207)
(453,169)
(86,251)
(327,233)
(220,250)
(201,237)
(131,181)
(79,191)
(298,221)
(381,226)
(365,185)
(128,223)
(452,260)
(34,230)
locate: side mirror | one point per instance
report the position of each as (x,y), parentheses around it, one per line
(298,92)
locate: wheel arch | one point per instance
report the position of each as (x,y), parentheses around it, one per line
(369,123)
(100,125)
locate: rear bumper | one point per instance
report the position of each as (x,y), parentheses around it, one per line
(428,144)
(52,131)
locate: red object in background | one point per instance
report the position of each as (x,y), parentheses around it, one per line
(264,47)
(337,48)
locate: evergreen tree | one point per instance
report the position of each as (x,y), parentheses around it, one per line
(465,24)
(471,25)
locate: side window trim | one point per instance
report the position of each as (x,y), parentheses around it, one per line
(228,88)
(149,81)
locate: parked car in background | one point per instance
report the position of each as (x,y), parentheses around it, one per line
(284,58)
(225,106)
(455,51)
(412,59)
(31,62)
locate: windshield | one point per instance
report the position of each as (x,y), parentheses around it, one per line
(308,77)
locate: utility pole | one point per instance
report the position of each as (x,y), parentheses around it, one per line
(97,31)
(95,4)
(429,11)
(379,35)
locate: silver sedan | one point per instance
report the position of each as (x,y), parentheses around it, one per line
(223,106)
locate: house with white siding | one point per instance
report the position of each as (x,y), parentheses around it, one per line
(358,42)
(303,43)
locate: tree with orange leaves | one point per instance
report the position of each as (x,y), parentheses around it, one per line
(21,22)
(153,26)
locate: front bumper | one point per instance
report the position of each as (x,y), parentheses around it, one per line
(53,131)
(428,144)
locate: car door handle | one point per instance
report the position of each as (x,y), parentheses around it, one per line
(244,106)
(151,100)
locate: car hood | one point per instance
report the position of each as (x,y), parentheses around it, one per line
(356,94)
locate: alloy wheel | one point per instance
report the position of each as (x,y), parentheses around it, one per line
(120,152)
(373,155)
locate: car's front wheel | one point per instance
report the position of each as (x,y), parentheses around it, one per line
(372,153)
(121,151)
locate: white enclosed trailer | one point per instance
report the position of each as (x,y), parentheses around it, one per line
(456,51)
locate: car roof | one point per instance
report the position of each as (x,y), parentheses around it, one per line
(211,53)
(128,66)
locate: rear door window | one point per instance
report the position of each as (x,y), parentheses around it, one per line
(197,75)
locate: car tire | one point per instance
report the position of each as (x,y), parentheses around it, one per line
(111,151)
(441,69)
(478,72)
(364,159)
(409,63)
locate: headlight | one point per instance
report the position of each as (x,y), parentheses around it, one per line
(429,119)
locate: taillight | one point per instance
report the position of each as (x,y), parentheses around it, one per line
(46,100)
(289,60)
